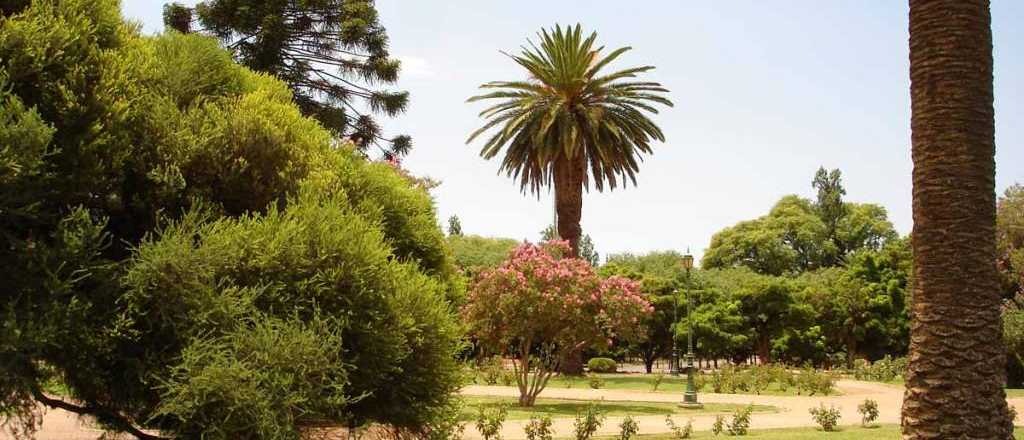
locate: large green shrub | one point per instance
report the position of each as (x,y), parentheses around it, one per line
(602,365)
(187,253)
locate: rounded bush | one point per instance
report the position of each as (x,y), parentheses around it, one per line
(602,365)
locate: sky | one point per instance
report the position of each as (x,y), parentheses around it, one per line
(764,93)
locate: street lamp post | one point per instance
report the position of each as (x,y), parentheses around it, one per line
(690,397)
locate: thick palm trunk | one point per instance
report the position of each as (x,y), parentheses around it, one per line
(954,383)
(569,174)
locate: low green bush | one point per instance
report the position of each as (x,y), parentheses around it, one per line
(826,417)
(886,369)
(587,423)
(490,370)
(868,411)
(595,381)
(489,421)
(628,428)
(740,423)
(719,426)
(658,379)
(539,428)
(602,365)
(679,432)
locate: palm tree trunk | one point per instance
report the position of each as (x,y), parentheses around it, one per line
(955,377)
(569,174)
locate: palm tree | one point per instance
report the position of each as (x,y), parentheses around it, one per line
(569,124)
(954,382)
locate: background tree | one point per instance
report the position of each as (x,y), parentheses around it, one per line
(658,274)
(333,54)
(954,380)
(454,226)
(185,252)
(830,206)
(587,250)
(569,125)
(541,307)
(473,253)
(1010,243)
(798,235)
(718,323)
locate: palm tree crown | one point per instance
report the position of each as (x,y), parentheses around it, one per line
(569,110)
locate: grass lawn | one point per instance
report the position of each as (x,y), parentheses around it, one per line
(884,432)
(569,408)
(645,382)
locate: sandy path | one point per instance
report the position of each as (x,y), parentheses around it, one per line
(792,409)
(61,425)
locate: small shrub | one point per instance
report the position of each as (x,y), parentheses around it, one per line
(784,378)
(596,382)
(489,421)
(760,379)
(868,412)
(740,423)
(539,428)
(700,380)
(491,370)
(742,381)
(814,382)
(508,378)
(717,382)
(826,417)
(587,423)
(602,365)
(658,379)
(628,428)
(826,383)
(679,433)
(719,426)
(886,369)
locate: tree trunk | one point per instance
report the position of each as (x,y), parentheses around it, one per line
(851,350)
(526,400)
(569,174)
(572,364)
(956,371)
(764,351)
(649,363)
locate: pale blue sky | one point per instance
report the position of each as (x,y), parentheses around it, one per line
(765,92)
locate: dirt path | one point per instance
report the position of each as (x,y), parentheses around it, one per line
(793,410)
(61,425)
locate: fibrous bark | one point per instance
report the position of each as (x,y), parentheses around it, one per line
(955,377)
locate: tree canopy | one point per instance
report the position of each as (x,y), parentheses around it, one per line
(186,252)
(799,235)
(333,54)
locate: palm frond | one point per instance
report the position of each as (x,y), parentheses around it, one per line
(567,107)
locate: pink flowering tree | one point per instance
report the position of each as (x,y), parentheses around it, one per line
(541,306)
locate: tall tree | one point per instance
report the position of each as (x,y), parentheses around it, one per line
(333,54)
(569,124)
(454,226)
(955,376)
(830,207)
